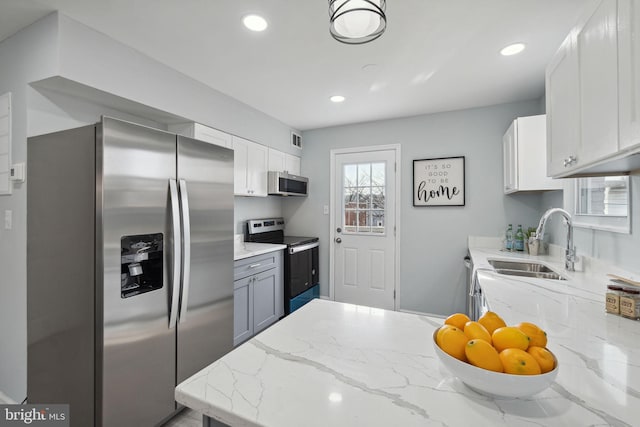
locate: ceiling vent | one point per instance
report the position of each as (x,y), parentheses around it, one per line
(296,140)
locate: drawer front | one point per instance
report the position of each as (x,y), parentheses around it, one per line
(257,264)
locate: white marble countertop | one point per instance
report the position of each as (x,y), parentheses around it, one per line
(343,365)
(599,353)
(242,250)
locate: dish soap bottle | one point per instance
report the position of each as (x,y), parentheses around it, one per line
(508,245)
(519,240)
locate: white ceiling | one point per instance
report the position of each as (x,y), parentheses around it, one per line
(436,55)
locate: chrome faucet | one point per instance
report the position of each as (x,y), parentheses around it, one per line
(570,251)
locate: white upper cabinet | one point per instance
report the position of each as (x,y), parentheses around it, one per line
(593,94)
(597,44)
(562,98)
(292,164)
(281,162)
(250,168)
(629,72)
(510,159)
(524,154)
(203,133)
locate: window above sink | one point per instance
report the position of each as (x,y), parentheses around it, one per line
(601,203)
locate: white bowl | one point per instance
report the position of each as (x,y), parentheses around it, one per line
(495,383)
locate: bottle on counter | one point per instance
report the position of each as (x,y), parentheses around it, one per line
(508,245)
(519,239)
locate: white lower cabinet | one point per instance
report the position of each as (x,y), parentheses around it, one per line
(258,294)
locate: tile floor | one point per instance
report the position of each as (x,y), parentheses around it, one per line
(186,418)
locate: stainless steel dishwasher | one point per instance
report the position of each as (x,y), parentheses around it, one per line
(468,265)
(476,303)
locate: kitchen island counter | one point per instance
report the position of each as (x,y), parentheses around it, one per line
(344,365)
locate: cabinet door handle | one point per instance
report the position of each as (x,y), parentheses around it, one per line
(569,161)
(255,265)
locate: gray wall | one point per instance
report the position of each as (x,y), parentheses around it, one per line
(112,79)
(255,208)
(24,56)
(622,250)
(433,240)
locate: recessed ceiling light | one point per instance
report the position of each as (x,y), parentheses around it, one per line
(337,98)
(512,49)
(255,22)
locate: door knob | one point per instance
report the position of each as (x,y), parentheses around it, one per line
(338,240)
(339,230)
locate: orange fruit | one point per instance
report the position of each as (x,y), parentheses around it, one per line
(474,330)
(509,337)
(544,358)
(538,337)
(458,320)
(452,341)
(440,332)
(482,354)
(491,321)
(519,362)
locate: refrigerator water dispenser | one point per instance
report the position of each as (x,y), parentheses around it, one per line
(141,264)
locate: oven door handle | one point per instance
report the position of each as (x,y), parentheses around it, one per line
(296,249)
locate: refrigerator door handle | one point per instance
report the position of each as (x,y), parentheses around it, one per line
(177,253)
(186,252)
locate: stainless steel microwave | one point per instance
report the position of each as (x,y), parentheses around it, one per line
(284,184)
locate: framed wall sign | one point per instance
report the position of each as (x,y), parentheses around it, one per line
(438,182)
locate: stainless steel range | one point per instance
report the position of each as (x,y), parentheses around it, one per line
(301,278)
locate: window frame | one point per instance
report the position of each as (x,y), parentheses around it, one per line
(614,224)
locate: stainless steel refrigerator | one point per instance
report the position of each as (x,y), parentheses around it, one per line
(129,268)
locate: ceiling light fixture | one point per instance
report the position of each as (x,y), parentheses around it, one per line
(357,21)
(337,98)
(512,49)
(255,22)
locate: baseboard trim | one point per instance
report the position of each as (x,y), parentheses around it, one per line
(325,297)
(421,313)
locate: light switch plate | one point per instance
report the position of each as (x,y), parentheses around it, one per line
(326,209)
(17,172)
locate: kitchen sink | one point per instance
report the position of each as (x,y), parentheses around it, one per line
(525,269)
(520,266)
(537,274)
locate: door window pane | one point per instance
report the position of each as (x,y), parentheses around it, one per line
(350,198)
(377,174)
(350,174)
(350,220)
(364,175)
(364,198)
(377,197)
(377,221)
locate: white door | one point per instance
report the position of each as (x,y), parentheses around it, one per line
(364,253)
